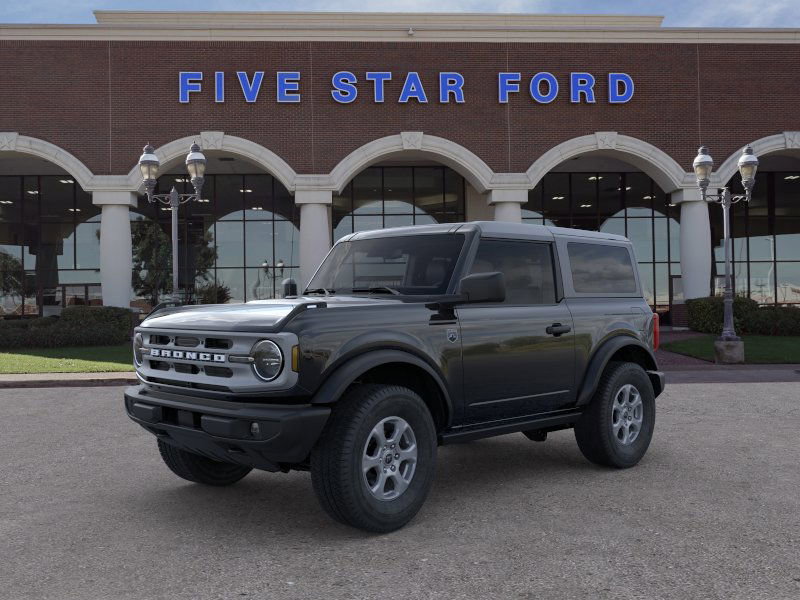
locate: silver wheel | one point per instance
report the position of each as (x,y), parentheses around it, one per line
(389,459)
(627,414)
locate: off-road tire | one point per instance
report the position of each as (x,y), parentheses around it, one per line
(199,469)
(594,431)
(336,460)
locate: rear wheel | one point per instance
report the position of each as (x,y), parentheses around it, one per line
(199,469)
(375,461)
(617,426)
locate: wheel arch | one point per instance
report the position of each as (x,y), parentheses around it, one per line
(621,348)
(391,367)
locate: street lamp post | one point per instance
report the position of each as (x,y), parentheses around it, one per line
(729,347)
(196,165)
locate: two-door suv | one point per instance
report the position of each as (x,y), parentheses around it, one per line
(406,339)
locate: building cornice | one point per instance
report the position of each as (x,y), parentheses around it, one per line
(388,27)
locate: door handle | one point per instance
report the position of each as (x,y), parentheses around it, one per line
(557,329)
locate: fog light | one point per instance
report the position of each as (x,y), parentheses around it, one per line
(255,429)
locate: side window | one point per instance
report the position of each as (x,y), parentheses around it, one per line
(601,269)
(526,266)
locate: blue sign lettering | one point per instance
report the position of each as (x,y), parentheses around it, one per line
(507,83)
(451,83)
(344,89)
(378,78)
(288,86)
(219,86)
(581,83)
(188,81)
(615,80)
(536,88)
(412,88)
(250,89)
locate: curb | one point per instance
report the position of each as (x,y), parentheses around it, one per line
(51,382)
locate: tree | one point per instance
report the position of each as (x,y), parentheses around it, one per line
(12,278)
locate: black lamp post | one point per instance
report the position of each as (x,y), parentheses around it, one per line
(196,165)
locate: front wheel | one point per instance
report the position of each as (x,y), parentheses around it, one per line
(375,462)
(617,426)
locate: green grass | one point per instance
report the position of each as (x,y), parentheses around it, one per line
(758,349)
(90,359)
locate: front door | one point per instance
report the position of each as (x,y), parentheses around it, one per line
(519,355)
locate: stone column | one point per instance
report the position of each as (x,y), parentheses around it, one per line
(507,204)
(315,231)
(116,254)
(695,243)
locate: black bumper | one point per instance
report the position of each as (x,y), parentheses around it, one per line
(658,380)
(263,436)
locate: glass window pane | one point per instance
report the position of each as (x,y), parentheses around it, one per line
(258,197)
(556,198)
(429,190)
(674,239)
(788,283)
(638,195)
(229,244)
(57,197)
(259,243)
(10,246)
(342,227)
(599,268)
(233,279)
(30,200)
(662,284)
(87,236)
(398,220)
(84,209)
(640,232)
(12,290)
(787,216)
(526,267)
(660,239)
(397,190)
(615,226)
(610,195)
(584,198)
(646,279)
(55,247)
(367,223)
(453,193)
(367,192)
(10,199)
(532,209)
(229,199)
(287,243)
(285,208)
(762,282)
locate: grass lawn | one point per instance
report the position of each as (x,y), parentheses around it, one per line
(91,359)
(763,349)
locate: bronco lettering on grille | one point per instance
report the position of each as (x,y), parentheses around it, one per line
(182,354)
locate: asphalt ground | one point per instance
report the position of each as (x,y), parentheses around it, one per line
(87,510)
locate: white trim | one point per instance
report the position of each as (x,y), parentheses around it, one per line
(444,151)
(231,144)
(788,140)
(664,170)
(11,141)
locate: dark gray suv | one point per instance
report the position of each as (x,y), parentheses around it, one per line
(406,339)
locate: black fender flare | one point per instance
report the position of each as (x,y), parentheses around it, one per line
(601,357)
(345,374)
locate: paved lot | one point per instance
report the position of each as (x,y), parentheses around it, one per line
(87,510)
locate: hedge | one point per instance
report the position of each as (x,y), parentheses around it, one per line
(706,314)
(77,326)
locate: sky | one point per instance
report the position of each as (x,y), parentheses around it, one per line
(678,13)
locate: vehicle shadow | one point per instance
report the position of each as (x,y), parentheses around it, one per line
(278,505)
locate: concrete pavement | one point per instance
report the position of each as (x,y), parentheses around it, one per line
(88,510)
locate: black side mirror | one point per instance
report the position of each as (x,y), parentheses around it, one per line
(483,287)
(289,287)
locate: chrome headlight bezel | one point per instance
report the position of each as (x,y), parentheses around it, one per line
(275,350)
(138,345)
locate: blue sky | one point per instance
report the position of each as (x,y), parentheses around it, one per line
(678,13)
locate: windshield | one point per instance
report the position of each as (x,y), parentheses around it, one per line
(413,264)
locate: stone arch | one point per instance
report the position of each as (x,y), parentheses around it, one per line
(218,140)
(781,142)
(444,151)
(656,163)
(11,141)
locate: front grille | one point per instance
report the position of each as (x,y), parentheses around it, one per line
(159,340)
(187,342)
(218,371)
(218,343)
(188,384)
(184,368)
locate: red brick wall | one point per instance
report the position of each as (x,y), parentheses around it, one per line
(102,101)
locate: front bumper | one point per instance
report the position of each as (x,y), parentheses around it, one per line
(224,430)
(658,380)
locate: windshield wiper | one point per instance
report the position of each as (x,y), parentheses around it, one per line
(324,291)
(377,289)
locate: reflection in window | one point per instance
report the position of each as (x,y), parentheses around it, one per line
(382,197)
(601,269)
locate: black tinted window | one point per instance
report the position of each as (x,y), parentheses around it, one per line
(415,264)
(526,266)
(601,269)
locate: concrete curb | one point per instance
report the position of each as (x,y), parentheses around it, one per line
(49,380)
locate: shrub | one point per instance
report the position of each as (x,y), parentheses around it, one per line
(77,326)
(213,293)
(706,314)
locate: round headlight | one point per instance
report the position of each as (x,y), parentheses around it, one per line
(268,360)
(138,342)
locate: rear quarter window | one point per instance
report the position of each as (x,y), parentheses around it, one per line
(601,269)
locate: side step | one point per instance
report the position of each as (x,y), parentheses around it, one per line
(476,432)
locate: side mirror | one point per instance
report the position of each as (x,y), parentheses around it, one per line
(289,287)
(483,287)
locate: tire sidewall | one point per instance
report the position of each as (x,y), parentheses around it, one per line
(628,374)
(408,406)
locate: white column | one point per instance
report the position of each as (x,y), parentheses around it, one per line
(508,204)
(115,246)
(695,243)
(315,230)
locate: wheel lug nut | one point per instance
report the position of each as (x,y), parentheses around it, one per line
(392,446)
(397,456)
(393,467)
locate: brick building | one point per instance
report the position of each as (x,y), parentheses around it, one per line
(320,124)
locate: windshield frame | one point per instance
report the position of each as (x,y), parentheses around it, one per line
(466,251)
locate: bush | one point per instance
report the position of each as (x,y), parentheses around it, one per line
(213,293)
(77,326)
(706,314)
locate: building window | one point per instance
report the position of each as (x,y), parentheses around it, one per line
(629,204)
(49,245)
(380,197)
(237,245)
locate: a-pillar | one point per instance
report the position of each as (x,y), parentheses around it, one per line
(695,243)
(507,204)
(315,230)
(116,253)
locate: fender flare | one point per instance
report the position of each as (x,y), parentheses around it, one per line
(601,358)
(345,374)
